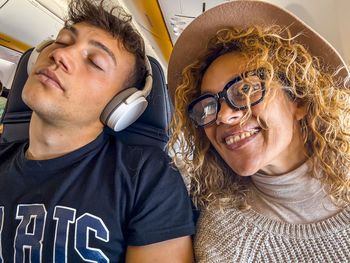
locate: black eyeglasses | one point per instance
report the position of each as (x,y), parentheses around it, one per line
(238,94)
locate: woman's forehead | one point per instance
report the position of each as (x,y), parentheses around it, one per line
(223,69)
(235,62)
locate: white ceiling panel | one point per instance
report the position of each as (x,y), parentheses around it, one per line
(35,24)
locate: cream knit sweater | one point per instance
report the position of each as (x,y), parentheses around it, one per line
(230,235)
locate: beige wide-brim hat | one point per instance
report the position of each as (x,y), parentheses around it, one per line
(193,40)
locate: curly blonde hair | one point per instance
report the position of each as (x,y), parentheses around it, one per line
(325,128)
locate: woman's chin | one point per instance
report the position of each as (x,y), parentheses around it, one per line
(245,172)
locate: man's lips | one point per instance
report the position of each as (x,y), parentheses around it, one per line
(48,77)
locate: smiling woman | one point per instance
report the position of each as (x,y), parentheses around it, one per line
(261,126)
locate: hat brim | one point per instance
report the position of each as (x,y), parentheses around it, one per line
(243,14)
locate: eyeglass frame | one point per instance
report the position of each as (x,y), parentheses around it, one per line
(223,94)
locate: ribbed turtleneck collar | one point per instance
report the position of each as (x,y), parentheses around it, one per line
(295,186)
(294,197)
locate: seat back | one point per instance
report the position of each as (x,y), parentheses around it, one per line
(149,129)
(17,114)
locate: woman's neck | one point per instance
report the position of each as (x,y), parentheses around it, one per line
(295,197)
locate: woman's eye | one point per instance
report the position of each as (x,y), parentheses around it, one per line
(245,89)
(249,89)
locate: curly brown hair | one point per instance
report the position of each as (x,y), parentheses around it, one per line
(325,128)
(117,22)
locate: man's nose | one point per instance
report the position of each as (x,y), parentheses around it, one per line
(228,115)
(64,57)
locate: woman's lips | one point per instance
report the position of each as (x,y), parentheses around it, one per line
(237,139)
(240,136)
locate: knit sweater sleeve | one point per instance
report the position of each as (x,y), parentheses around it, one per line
(223,238)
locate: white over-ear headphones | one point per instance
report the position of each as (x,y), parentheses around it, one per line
(128,105)
(125,108)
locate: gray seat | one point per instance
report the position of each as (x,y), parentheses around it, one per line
(149,129)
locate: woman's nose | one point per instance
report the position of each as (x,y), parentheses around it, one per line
(228,115)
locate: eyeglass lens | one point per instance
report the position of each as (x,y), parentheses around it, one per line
(238,93)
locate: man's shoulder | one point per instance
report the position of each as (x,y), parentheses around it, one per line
(148,162)
(138,151)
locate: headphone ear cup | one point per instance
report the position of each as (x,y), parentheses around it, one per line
(32,59)
(35,54)
(127,106)
(124,109)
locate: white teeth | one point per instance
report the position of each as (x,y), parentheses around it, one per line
(233,139)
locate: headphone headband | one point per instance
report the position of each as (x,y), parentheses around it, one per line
(149,78)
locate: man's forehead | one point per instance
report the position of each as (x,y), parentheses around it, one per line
(85,26)
(96,41)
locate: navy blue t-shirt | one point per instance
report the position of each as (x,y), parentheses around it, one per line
(89,205)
